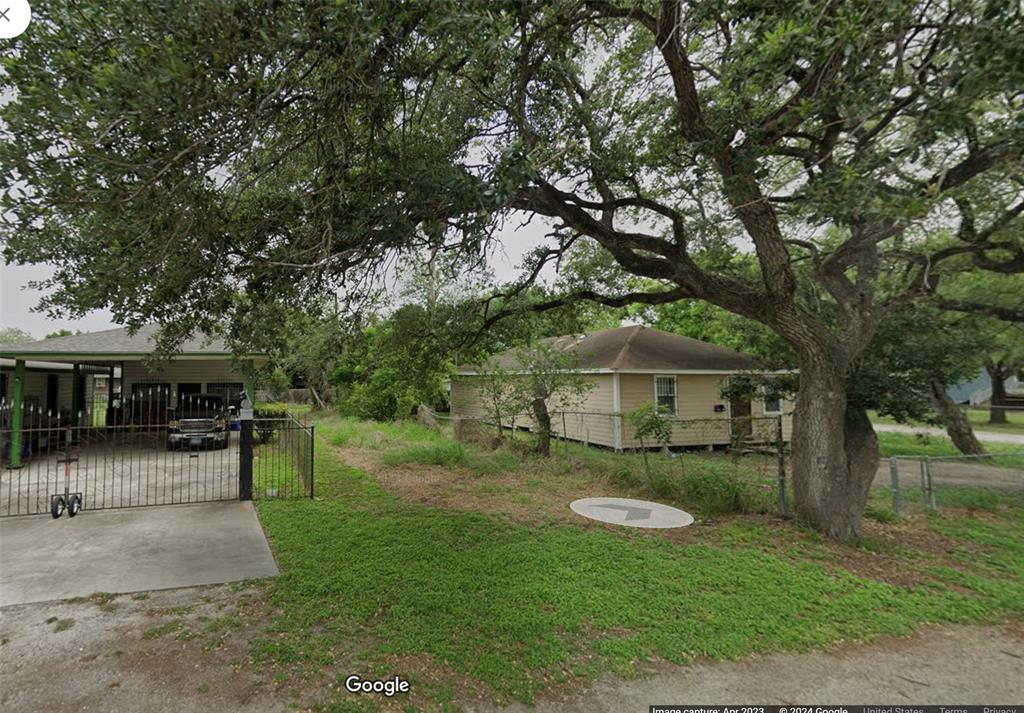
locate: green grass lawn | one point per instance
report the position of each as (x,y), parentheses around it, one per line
(978,418)
(909,444)
(368,580)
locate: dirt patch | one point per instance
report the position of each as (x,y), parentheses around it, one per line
(509,496)
(162,653)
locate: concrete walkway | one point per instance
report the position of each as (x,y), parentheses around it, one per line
(130,550)
(968,664)
(991,436)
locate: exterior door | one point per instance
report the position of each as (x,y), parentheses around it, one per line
(740,413)
(52,392)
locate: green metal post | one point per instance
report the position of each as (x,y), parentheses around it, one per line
(108,419)
(16,412)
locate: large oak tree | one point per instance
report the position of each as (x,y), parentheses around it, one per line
(187,161)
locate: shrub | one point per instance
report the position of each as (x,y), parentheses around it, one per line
(715,493)
(267,419)
(270,411)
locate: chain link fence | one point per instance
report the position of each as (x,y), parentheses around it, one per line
(739,463)
(931,483)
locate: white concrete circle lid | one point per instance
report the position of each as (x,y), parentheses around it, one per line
(631,513)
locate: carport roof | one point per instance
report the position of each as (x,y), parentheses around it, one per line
(114,344)
(6,363)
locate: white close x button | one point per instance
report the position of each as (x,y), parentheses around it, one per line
(14,17)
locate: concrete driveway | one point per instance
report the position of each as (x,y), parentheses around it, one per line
(123,471)
(130,550)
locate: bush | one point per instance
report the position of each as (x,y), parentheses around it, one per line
(715,493)
(267,419)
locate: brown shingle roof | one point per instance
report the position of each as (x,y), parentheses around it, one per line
(639,347)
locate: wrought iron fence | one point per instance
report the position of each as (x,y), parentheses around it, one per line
(142,453)
(50,457)
(282,458)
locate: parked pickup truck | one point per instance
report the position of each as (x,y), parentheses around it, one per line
(202,420)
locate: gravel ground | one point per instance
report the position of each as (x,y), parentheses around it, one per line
(187,650)
(941,666)
(173,650)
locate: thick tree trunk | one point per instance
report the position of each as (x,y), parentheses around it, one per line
(997,404)
(543,418)
(835,451)
(957,425)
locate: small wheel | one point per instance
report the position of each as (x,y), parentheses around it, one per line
(57,506)
(74,505)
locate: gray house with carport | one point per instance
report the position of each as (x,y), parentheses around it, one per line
(153,388)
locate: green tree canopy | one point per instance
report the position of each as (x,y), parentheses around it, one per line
(174,155)
(13,335)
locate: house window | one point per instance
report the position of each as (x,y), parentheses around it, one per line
(665,394)
(773,407)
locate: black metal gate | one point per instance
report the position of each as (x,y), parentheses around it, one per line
(130,464)
(133,457)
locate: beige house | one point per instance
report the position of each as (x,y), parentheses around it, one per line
(633,366)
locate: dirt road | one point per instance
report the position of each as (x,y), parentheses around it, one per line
(961,665)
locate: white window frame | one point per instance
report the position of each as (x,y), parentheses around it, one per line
(675,392)
(764,406)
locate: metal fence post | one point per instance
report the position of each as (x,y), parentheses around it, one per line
(894,473)
(781,457)
(312,441)
(245,451)
(929,490)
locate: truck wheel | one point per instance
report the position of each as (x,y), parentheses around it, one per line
(74,505)
(57,506)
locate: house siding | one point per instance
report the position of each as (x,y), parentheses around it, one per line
(34,387)
(590,421)
(593,421)
(183,371)
(696,397)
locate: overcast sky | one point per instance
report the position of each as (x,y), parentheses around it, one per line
(18,301)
